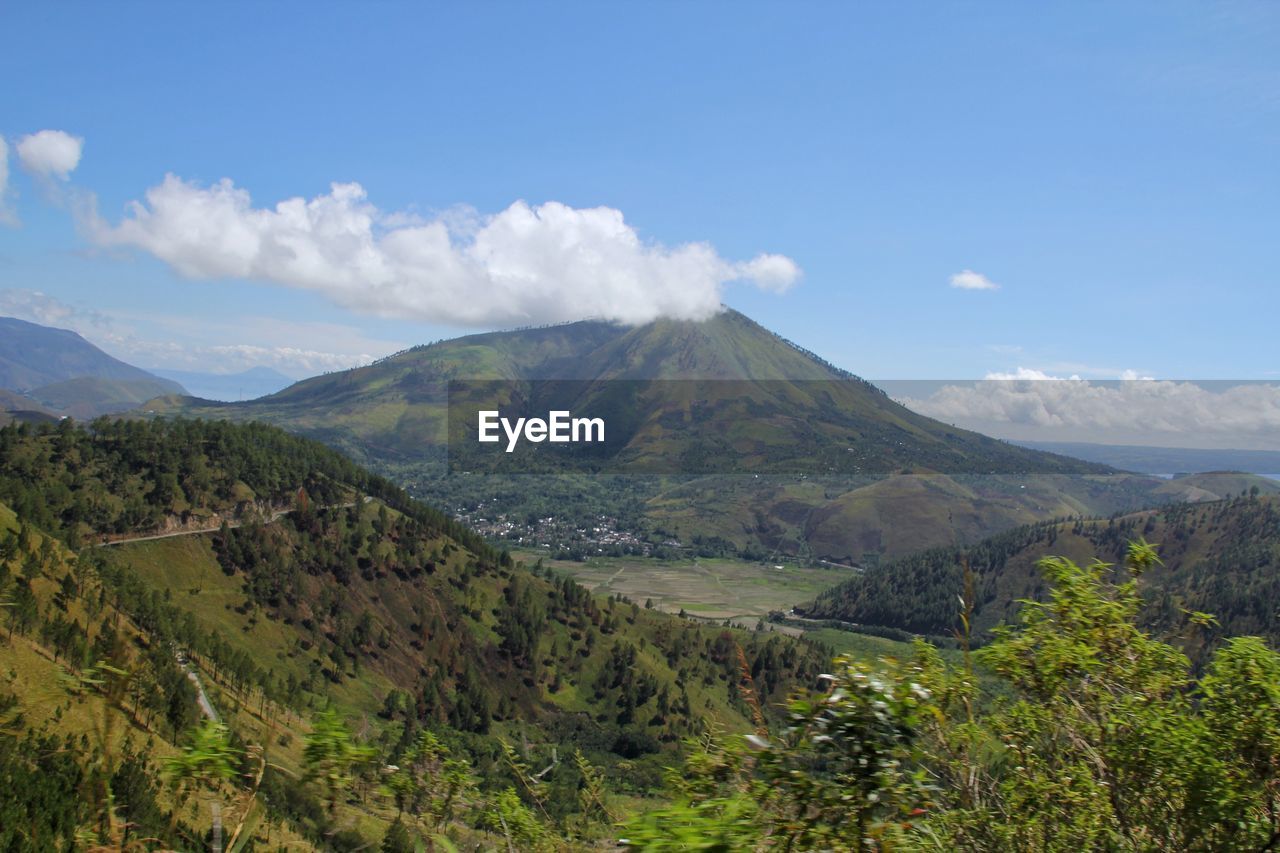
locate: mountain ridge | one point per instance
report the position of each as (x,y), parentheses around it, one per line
(64,373)
(396,404)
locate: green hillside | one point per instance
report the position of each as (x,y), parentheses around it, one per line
(1220,557)
(293,582)
(227,637)
(897,516)
(1215,485)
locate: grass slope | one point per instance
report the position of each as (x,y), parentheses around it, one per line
(709,588)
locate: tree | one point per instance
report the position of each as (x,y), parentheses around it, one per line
(1074,730)
(397,839)
(504,814)
(205,762)
(25,610)
(331,754)
(1102,743)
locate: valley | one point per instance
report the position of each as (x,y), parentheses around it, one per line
(574,427)
(712,588)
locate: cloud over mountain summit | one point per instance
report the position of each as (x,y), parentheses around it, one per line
(527,264)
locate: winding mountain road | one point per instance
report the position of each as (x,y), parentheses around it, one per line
(275,516)
(206,708)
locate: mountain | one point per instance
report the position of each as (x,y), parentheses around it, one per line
(700,406)
(245,385)
(64,373)
(159,567)
(396,407)
(1221,557)
(32,356)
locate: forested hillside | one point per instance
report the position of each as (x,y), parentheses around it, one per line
(1220,557)
(138,477)
(314,601)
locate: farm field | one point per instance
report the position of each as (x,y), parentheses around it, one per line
(712,588)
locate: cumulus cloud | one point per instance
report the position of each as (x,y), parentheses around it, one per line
(970,280)
(527,264)
(50,153)
(1033,405)
(777,273)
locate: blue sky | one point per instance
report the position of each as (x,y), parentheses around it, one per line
(1114,168)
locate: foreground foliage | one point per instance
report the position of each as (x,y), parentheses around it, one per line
(1098,738)
(1219,557)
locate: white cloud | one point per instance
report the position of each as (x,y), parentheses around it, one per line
(50,153)
(1033,405)
(526,264)
(777,273)
(232,358)
(37,307)
(288,359)
(970,280)
(1028,374)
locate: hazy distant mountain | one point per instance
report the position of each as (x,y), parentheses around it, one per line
(229,387)
(32,355)
(1166,461)
(68,375)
